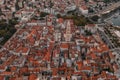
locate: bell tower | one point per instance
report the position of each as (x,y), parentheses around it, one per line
(68,34)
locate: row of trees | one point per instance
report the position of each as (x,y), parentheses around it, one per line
(7,29)
(78,20)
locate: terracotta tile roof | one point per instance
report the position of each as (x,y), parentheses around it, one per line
(84,7)
(90,25)
(23,70)
(1,77)
(22,49)
(113,77)
(13,68)
(25,50)
(32,77)
(80,65)
(115,67)
(54,71)
(93,55)
(60,20)
(89,68)
(6,73)
(111,55)
(12,78)
(2,67)
(64,45)
(47,57)
(79,73)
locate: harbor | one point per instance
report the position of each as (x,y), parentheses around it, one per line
(114,19)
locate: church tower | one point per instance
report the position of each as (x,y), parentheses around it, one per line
(77,2)
(68,34)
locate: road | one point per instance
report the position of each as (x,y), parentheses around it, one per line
(111,7)
(107,9)
(105,37)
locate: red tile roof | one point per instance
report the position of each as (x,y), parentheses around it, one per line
(47,56)
(64,45)
(32,77)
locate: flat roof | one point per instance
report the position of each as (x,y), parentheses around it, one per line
(117,33)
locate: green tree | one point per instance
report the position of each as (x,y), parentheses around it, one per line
(58,16)
(43,14)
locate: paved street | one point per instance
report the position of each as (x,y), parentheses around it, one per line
(107,9)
